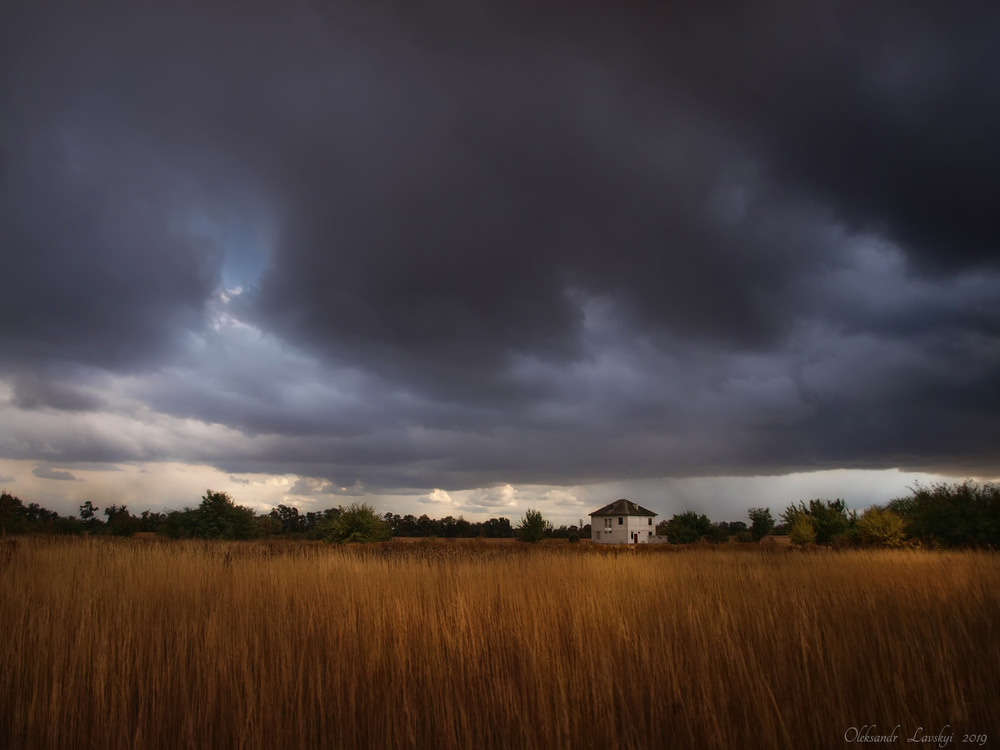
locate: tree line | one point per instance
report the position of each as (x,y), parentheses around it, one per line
(218,516)
(964,514)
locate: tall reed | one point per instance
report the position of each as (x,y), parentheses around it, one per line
(133,644)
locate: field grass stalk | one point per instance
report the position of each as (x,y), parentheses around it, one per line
(133,644)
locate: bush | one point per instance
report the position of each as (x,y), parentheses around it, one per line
(828,517)
(801,529)
(358,522)
(881,527)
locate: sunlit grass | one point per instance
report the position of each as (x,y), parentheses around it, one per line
(115,643)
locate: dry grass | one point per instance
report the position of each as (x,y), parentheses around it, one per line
(113,644)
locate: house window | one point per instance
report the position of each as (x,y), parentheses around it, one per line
(649,533)
(650,520)
(620,519)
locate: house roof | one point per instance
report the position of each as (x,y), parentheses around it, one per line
(623,507)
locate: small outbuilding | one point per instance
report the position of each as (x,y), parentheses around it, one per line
(622,522)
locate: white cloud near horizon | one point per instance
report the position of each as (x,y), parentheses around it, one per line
(172,486)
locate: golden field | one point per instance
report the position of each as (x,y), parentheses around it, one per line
(158,644)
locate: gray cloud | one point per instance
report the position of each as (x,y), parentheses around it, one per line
(499,244)
(43,472)
(308,486)
(43,390)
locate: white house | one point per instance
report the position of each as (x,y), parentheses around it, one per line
(622,522)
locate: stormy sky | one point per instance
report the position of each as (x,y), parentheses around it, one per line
(480,255)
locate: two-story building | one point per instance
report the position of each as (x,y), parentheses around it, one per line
(622,522)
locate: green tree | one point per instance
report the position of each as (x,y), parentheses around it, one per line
(290,521)
(12,514)
(801,529)
(39,518)
(219,517)
(358,522)
(497,528)
(120,521)
(532,526)
(952,515)
(181,524)
(686,528)
(268,526)
(829,518)
(151,521)
(761,523)
(881,527)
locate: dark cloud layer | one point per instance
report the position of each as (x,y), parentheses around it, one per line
(505,241)
(43,472)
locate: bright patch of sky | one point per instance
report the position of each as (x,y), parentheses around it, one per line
(162,486)
(246,237)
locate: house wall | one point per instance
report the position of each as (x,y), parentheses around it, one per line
(621,533)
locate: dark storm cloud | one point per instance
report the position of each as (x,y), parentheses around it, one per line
(506,241)
(476,194)
(94,268)
(38,391)
(888,112)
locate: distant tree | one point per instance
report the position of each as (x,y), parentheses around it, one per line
(403,525)
(67,525)
(395,522)
(181,524)
(571,532)
(718,532)
(219,517)
(268,526)
(723,531)
(952,515)
(801,529)
(426,526)
(312,524)
(881,527)
(830,519)
(39,518)
(152,521)
(497,528)
(289,520)
(12,514)
(761,523)
(358,522)
(120,522)
(465,528)
(532,526)
(450,527)
(686,528)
